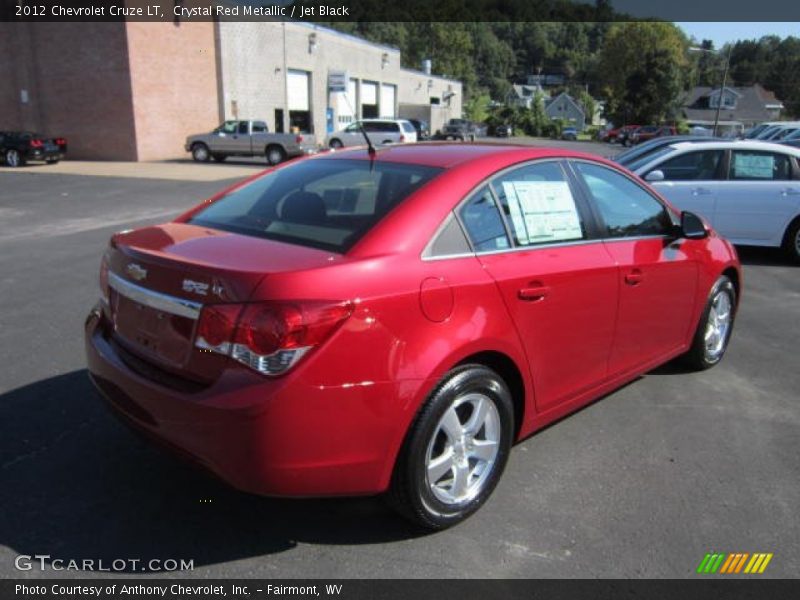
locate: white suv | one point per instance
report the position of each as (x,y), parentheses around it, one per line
(380,131)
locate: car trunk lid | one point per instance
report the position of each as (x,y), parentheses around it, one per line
(160,278)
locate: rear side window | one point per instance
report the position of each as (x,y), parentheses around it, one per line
(259,127)
(483,223)
(626,208)
(539,205)
(750,165)
(702,165)
(327,204)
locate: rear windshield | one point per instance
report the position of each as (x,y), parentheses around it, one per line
(322,203)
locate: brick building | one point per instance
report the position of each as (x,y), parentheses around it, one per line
(135,90)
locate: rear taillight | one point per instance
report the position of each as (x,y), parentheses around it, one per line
(298,139)
(61,142)
(37,143)
(270,337)
(402,139)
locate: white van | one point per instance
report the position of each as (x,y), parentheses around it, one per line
(380,131)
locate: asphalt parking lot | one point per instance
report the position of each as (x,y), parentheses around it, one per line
(640,484)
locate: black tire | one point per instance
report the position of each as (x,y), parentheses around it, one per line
(14,158)
(699,356)
(219,157)
(275,155)
(791,241)
(386,142)
(411,493)
(336,144)
(52,161)
(200,152)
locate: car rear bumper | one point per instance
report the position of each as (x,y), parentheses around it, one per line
(43,154)
(280,437)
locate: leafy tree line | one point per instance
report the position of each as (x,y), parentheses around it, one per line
(641,69)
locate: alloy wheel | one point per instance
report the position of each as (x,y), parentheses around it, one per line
(718,325)
(463,449)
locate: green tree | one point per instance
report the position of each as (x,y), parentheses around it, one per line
(643,66)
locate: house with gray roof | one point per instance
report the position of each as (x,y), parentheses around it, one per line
(741,106)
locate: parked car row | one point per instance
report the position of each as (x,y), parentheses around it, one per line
(20,147)
(630,135)
(749,191)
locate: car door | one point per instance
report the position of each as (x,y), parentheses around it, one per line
(222,140)
(241,139)
(558,284)
(657,275)
(691,180)
(759,199)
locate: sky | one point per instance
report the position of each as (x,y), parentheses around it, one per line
(720,33)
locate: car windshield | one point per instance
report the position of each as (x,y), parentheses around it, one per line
(627,156)
(638,163)
(323,203)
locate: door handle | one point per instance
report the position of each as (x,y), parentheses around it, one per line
(700,191)
(790,192)
(634,277)
(534,293)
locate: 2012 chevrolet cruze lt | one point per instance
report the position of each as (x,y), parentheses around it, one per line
(356,323)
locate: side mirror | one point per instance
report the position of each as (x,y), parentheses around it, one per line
(657,175)
(692,226)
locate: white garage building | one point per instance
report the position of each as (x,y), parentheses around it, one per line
(280,72)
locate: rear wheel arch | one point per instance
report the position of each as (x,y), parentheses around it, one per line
(789,235)
(732,274)
(509,372)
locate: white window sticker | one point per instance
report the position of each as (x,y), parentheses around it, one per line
(753,166)
(542,211)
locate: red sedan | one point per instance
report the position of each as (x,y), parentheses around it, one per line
(355,324)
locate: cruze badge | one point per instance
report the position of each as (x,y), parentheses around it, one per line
(136,272)
(195,286)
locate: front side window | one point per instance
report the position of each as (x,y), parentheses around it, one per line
(751,165)
(229,127)
(702,165)
(539,204)
(328,204)
(626,208)
(483,223)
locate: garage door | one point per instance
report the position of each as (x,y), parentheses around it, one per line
(297,89)
(388,96)
(369,100)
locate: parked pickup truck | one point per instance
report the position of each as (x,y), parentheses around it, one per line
(248,138)
(460,129)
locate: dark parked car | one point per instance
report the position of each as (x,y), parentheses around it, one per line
(461,130)
(569,133)
(298,340)
(18,147)
(423,129)
(503,130)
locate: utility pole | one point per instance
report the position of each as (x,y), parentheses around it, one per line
(722,89)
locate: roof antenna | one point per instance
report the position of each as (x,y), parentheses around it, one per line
(370,147)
